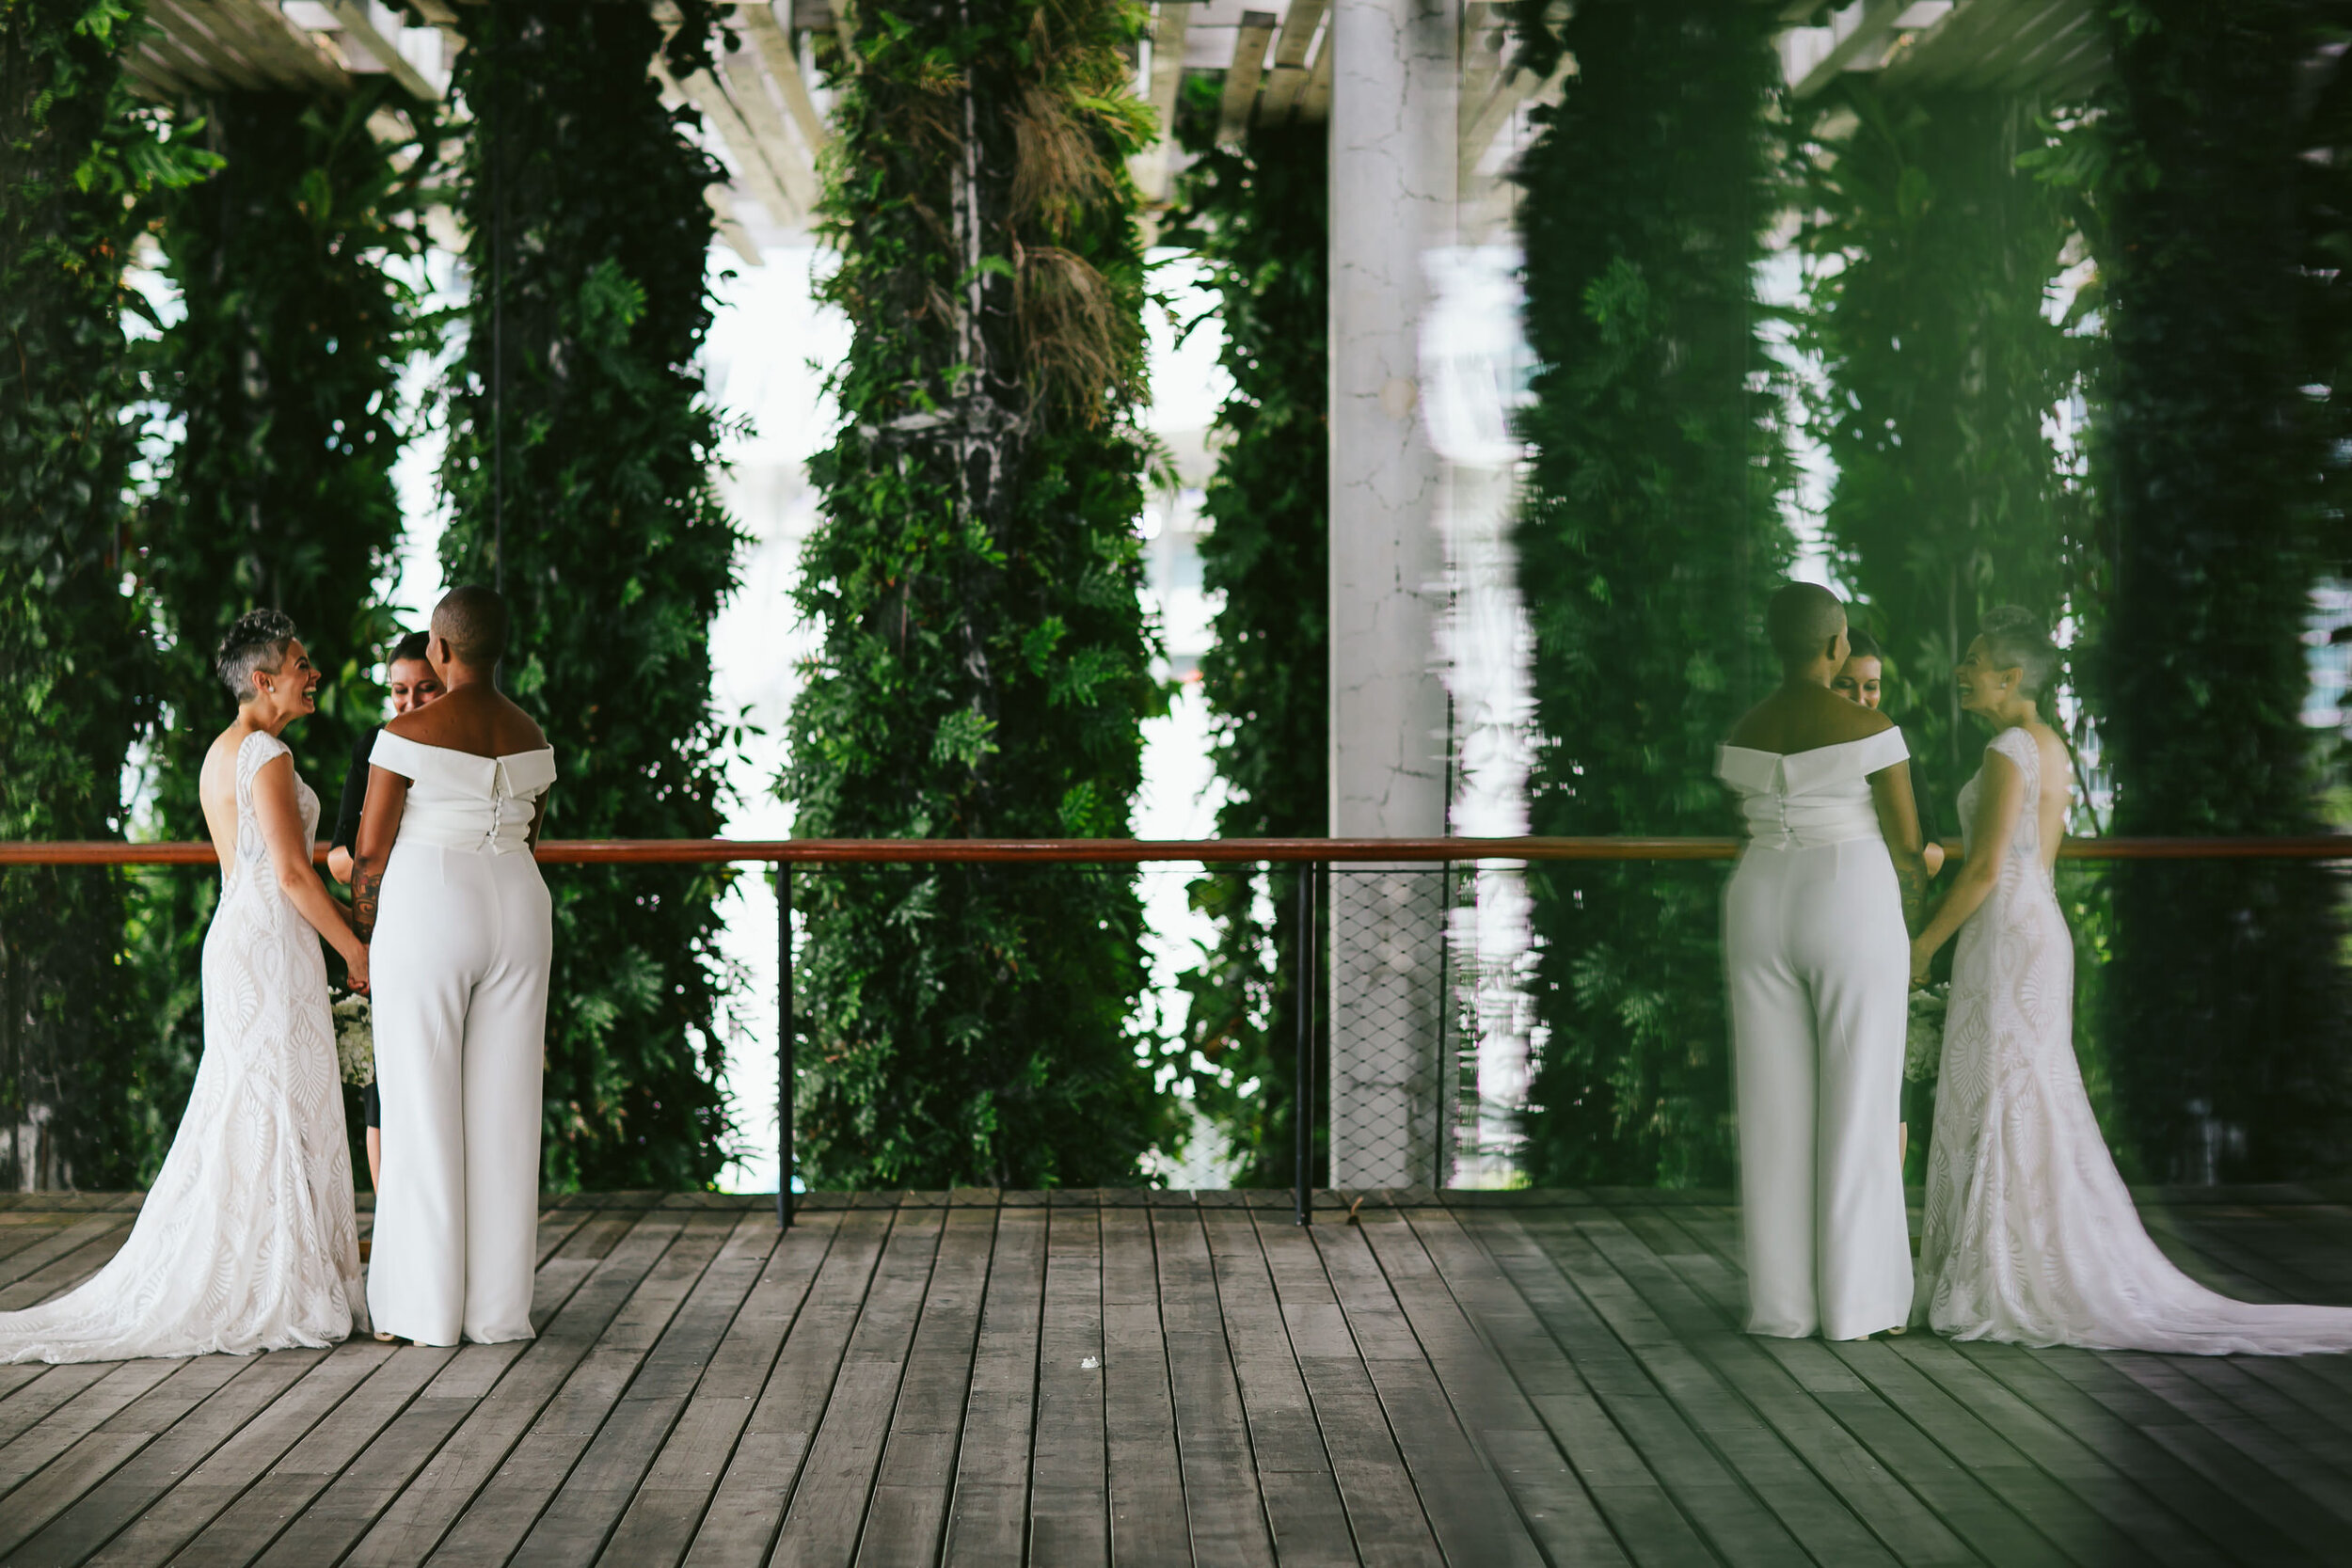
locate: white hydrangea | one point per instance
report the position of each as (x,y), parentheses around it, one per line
(354,1040)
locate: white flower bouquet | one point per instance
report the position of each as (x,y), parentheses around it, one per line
(354,1040)
(1923,1041)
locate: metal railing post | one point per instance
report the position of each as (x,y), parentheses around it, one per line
(1303,1080)
(784,1051)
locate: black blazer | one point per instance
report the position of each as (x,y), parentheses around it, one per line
(354,798)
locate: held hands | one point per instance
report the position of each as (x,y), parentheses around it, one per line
(1922,955)
(357,963)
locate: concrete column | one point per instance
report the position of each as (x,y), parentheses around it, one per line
(1394,170)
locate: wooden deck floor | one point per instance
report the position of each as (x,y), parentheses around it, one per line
(1164,1378)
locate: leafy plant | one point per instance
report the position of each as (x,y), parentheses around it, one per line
(1649,538)
(281,380)
(984,664)
(587,492)
(1256,215)
(2213,456)
(76,154)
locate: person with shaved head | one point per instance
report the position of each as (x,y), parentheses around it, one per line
(463,932)
(1817,953)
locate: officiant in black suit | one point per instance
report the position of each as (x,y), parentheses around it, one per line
(413,683)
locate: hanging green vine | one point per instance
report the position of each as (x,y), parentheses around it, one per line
(616,551)
(1648,540)
(984,663)
(281,377)
(1930,253)
(1256,216)
(2211,458)
(75,152)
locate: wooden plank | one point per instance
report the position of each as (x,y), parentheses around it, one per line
(739,1524)
(529,1460)
(1690,1426)
(2087,1507)
(2162,1524)
(1240,100)
(147,1511)
(988,1518)
(1309,1519)
(41,1390)
(90,1406)
(663,1511)
(2234,1524)
(394,1503)
(1369,1459)
(827,1511)
(1632,1450)
(907,1519)
(1460,1422)
(1069,1485)
(574,1526)
(1884,1505)
(1225,1511)
(32,1275)
(190,1385)
(724,122)
(244,1523)
(361,26)
(1872,20)
(1983,1517)
(1148,1516)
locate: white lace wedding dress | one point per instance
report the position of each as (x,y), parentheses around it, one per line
(247,1240)
(2031,1235)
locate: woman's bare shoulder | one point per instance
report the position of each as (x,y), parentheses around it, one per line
(1790,721)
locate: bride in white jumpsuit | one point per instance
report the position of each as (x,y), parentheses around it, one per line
(462,943)
(1818,962)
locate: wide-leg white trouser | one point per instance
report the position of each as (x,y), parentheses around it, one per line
(459,974)
(1819,972)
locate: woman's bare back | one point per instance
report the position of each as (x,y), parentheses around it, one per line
(476,718)
(1806,718)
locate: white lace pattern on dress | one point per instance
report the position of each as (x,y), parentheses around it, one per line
(247,1240)
(2031,1235)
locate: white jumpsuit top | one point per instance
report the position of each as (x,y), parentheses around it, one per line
(1819,965)
(464,937)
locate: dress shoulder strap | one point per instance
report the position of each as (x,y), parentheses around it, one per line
(256,752)
(2019,746)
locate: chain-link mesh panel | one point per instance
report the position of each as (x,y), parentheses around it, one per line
(1390,1065)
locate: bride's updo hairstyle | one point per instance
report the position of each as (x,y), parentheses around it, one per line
(256,642)
(2015,639)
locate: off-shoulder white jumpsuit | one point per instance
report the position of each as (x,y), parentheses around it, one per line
(459,974)
(1820,968)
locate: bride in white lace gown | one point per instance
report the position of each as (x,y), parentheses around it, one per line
(247,1240)
(2031,1235)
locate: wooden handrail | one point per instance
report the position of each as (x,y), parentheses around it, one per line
(1123,851)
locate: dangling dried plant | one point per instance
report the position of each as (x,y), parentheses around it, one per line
(1074,335)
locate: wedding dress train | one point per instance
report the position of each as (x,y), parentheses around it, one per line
(247,1240)
(2031,1235)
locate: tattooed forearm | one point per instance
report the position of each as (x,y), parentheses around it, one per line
(366,883)
(1914,879)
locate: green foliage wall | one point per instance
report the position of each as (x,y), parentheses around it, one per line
(1930,257)
(1648,540)
(281,378)
(983,668)
(1256,216)
(616,550)
(2225,992)
(75,152)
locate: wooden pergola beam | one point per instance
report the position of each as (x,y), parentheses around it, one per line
(774,44)
(1242,77)
(1871,21)
(1171,20)
(746,89)
(724,122)
(1287,82)
(359,25)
